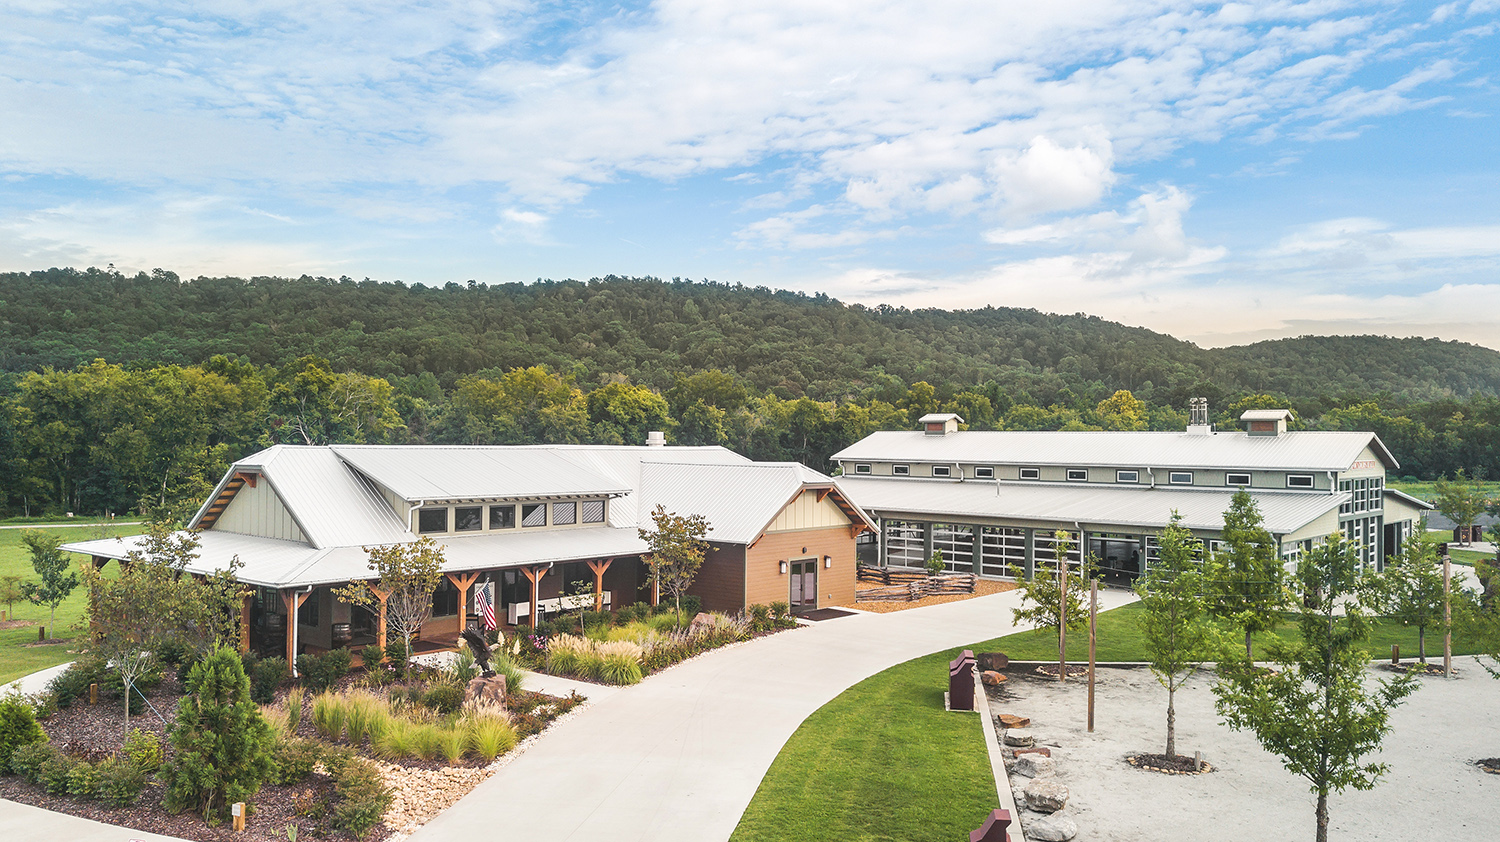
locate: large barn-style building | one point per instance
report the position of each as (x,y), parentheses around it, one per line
(533,520)
(990,500)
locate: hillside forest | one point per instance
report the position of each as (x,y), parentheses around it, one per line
(117,389)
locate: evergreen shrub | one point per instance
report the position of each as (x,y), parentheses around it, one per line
(18,727)
(143,748)
(268,674)
(320,672)
(119,782)
(27,760)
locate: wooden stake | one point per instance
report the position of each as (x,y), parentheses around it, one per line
(1062,619)
(93,694)
(1447,618)
(1093,639)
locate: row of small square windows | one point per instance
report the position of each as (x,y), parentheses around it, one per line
(1082,475)
(471,518)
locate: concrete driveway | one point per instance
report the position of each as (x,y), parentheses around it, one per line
(679,756)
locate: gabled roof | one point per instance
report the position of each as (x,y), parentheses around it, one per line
(1410,500)
(1284,511)
(331,503)
(1266,415)
(1303,450)
(760,491)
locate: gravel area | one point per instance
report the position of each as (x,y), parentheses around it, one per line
(1434,789)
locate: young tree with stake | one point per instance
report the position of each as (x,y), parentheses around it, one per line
(1410,591)
(677,549)
(1314,711)
(1172,604)
(51,564)
(407,574)
(1042,598)
(1246,590)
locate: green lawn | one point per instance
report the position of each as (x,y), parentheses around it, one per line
(883,761)
(1120,639)
(1427,489)
(16,659)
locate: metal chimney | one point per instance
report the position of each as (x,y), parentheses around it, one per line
(656,438)
(1198,423)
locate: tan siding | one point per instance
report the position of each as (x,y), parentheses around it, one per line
(721,580)
(808,512)
(258,511)
(766,582)
(1321,528)
(1397,510)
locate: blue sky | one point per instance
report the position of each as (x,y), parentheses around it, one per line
(1221,172)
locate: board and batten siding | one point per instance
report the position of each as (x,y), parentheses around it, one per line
(808,512)
(720,582)
(256,510)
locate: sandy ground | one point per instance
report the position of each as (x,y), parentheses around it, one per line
(983,587)
(1432,790)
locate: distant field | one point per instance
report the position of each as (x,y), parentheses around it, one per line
(16,659)
(1427,489)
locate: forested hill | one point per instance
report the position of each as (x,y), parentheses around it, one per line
(650,331)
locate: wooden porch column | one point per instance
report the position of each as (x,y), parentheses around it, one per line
(245,623)
(599,567)
(655,583)
(379,614)
(463,582)
(293,601)
(535,574)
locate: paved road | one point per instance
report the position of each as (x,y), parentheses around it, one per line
(679,756)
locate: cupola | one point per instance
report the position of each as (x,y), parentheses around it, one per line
(940,423)
(1266,422)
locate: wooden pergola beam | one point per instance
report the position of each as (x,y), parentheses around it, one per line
(463,582)
(535,574)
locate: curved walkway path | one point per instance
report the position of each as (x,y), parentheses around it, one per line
(679,756)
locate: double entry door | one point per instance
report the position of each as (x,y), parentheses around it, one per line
(804,584)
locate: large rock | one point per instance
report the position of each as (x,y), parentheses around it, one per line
(486,694)
(1014,738)
(1045,796)
(701,621)
(991,678)
(1010,720)
(992,660)
(1034,765)
(1042,750)
(1052,829)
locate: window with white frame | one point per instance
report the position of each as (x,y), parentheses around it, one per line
(942,471)
(432,520)
(564,514)
(984,472)
(1234,479)
(1031,473)
(901,470)
(591,511)
(861,469)
(1180,478)
(1078,475)
(1299,480)
(1127,476)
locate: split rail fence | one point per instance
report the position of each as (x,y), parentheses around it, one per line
(907,586)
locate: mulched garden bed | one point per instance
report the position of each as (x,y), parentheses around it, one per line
(1416,667)
(7,625)
(93,732)
(1489,764)
(1178,765)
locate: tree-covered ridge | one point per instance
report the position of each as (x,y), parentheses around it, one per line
(774,376)
(650,331)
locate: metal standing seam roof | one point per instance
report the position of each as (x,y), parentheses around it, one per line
(440,472)
(737,500)
(1284,512)
(332,504)
(1302,450)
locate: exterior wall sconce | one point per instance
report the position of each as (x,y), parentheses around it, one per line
(827,561)
(783,567)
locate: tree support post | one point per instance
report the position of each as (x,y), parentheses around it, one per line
(1093,638)
(245,624)
(1447,616)
(1062,616)
(463,583)
(599,567)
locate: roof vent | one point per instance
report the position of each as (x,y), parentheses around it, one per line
(1266,422)
(656,438)
(1198,423)
(940,423)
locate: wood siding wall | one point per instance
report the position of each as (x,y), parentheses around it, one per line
(768,584)
(258,511)
(721,580)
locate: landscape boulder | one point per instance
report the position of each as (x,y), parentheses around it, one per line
(1008,720)
(701,621)
(1052,829)
(1016,737)
(1042,750)
(1034,765)
(991,678)
(485,694)
(992,660)
(1045,796)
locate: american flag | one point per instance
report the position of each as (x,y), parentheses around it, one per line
(484,603)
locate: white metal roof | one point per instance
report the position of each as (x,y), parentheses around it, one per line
(1044,503)
(1266,415)
(1306,451)
(1407,498)
(737,500)
(439,472)
(283,564)
(939,417)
